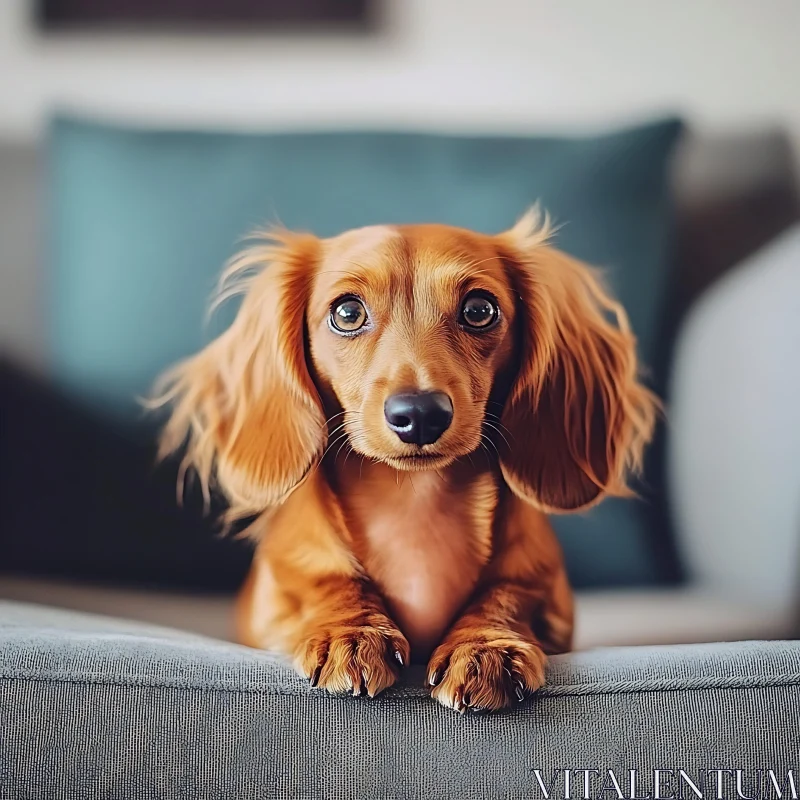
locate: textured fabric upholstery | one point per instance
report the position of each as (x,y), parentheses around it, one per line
(98,708)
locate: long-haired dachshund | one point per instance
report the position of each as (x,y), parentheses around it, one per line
(401,407)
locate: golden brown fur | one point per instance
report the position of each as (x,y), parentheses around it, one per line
(372,551)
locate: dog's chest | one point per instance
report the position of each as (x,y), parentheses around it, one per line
(424,544)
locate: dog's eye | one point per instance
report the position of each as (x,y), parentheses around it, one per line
(479,311)
(348,315)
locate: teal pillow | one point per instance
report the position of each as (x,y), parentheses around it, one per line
(143,220)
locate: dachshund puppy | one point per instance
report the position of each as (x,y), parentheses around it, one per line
(401,407)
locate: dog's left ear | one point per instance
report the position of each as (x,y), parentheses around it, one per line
(577,415)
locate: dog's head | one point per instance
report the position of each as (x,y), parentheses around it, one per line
(416,346)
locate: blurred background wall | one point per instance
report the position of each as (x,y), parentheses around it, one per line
(508,66)
(505,65)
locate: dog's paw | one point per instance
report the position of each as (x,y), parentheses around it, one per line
(357,659)
(486,672)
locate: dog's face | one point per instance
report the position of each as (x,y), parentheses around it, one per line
(416,345)
(408,329)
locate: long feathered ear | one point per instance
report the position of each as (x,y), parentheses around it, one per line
(246,406)
(577,414)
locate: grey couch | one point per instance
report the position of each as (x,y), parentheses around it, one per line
(92,707)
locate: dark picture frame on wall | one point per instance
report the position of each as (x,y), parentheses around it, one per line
(209,15)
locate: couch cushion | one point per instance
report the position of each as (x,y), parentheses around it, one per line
(143,220)
(90,707)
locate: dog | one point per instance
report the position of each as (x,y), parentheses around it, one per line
(400,408)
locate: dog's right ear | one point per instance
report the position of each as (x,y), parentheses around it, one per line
(246,406)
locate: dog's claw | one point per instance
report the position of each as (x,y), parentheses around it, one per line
(519,689)
(314,679)
(433,679)
(399,658)
(359,683)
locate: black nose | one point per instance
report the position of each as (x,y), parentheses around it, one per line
(419,417)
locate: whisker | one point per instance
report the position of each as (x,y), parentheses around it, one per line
(354,412)
(319,462)
(353,442)
(489,453)
(337,429)
(495,428)
(340,450)
(335,437)
(498,422)
(485,438)
(328,448)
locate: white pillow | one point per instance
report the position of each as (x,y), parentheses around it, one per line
(734,457)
